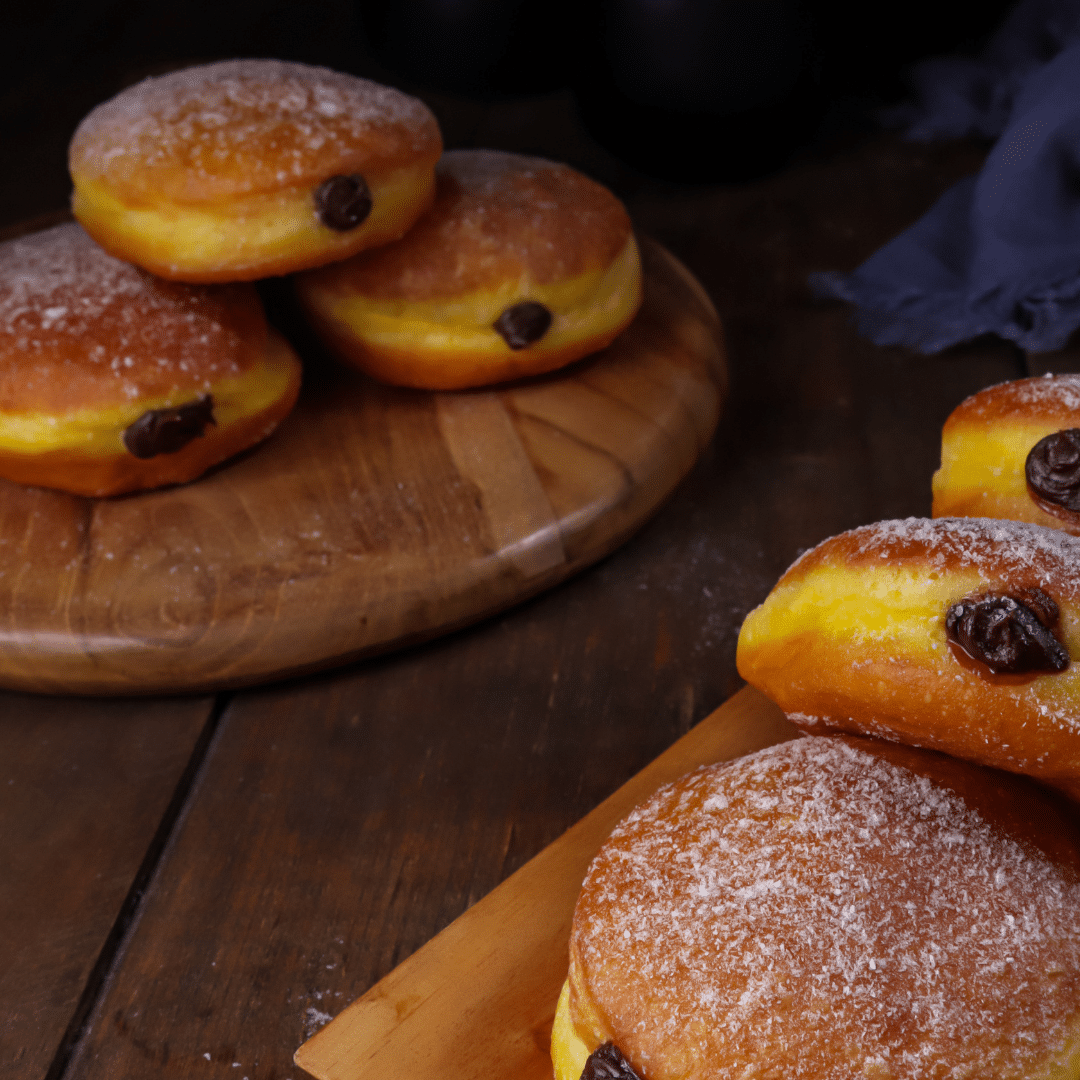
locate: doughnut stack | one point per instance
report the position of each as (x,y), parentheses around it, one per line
(896,894)
(136,349)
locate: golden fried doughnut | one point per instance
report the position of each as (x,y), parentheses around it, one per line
(520,266)
(830,909)
(1013,451)
(952,633)
(112,380)
(247,168)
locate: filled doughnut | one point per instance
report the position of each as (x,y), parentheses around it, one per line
(248,168)
(958,634)
(112,380)
(520,266)
(1013,451)
(829,909)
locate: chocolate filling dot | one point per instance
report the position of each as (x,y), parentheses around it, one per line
(606,1062)
(1053,469)
(1009,634)
(523,324)
(164,431)
(343,202)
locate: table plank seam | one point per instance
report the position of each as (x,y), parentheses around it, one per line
(127,915)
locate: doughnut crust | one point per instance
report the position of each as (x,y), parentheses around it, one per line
(986,445)
(832,909)
(113,381)
(865,633)
(217,173)
(521,266)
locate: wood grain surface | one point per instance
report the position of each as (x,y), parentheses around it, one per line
(478,1000)
(373,517)
(82,795)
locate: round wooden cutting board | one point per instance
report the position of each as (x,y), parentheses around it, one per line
(372,518)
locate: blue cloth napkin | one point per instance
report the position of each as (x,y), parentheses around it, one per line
(999,252)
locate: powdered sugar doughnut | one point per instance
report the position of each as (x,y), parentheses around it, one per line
(521,266)
(247,168)
(952,633)
(830,909)
(113,381)
(1013,451)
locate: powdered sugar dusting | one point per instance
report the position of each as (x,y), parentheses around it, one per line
(544,213)
(486,173)
(243,126)
(815,911)
(1051,395)
(78,325)
(498,218)
(1000,550)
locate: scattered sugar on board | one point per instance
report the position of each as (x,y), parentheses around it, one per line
(70,311)
(815,896)
(314,1019)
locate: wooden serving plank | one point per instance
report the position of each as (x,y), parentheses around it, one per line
(373,517)
(478,1000)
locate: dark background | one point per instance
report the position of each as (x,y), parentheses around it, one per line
(682,91)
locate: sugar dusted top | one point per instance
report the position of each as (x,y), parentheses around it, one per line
(824,912)
(245,127)
(999,550)
(1043,397)
(497,217)
(79,328)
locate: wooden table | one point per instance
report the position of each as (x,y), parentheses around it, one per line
(191,886)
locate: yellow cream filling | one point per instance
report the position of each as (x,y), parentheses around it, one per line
(882,603)
(893,613)
(1064,1065)
(99,431)
(582,307)
(993,456)
(568,1050)
(247,231)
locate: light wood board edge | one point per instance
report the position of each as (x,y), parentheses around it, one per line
(477,1001)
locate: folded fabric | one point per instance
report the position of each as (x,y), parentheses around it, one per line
(1000,251)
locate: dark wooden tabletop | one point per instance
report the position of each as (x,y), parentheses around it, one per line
(191,886)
